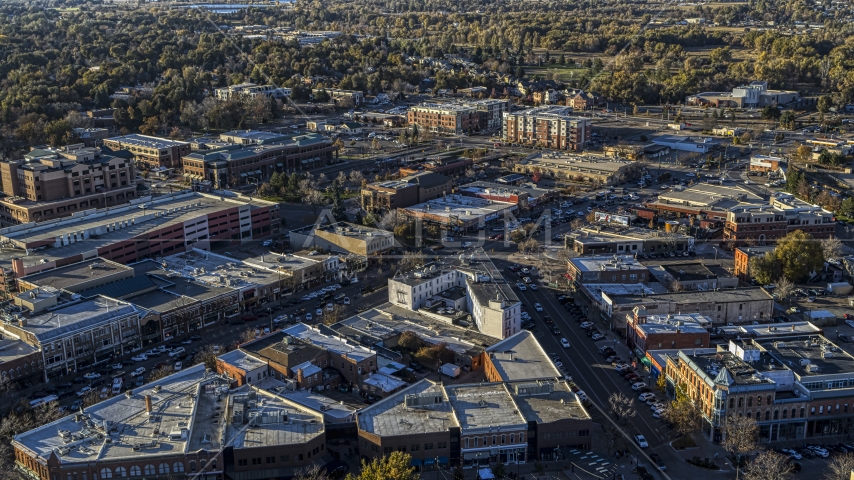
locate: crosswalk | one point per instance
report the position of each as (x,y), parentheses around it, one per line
(591,463)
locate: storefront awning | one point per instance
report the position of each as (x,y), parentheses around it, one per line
(279,165)
(257,172)
(242,174)
(415,462)
(429,461)
(443,460)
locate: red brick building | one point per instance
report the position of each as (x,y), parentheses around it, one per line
(742,256)
(446,118)
(652,332)
(549,127)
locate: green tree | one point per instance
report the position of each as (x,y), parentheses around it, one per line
(823,104)
(847,207)
(787,120)
(798,254)
(765,269)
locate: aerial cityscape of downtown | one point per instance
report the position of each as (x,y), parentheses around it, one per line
(426,240)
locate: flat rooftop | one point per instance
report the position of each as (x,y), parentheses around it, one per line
(331,343)
(724,368)
(484,407)
(136,221)
(12,348)
(560,404)
(388,320)
(685,323)
(212,271)
(598,164)
(804,354)
(84,314)
(611,233)
(521,357)
(707,195)
(778,329)
(336,411)
(347,230)
(430,412)
(146,141)
(242,360)
(608,263)
(464,208)
(697,296)
(499,189)
(76,273)
(693,271)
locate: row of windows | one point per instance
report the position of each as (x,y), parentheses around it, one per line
(484,441)
(136,471)
(243,462)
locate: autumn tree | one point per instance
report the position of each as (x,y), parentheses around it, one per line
(395,466)
(434,355)
(207,356)
(765,269)
(831,248)
(684,414)
(798,254)
(410,341)
(840,467)
(333,316)
(161,372)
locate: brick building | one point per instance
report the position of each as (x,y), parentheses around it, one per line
(765,164)
(741,260)
(550,127)
(48,183)
(736,306)
(768,223)
(151,152)
(607,269)
(444,118)
(406,191)
(186,424)
(155,228)
(681,331)
(256,163)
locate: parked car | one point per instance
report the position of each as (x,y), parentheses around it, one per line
(177,351)
(139,371)
(641,441)
(564,343)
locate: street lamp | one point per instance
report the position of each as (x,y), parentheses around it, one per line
(270,313)
(716,253)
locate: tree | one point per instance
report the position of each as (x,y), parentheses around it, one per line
(770,465)
(161,372)
(740,434)
(823,104)
(847,207)
(536,174)
(799,254)
(312,472)
(248,335)
(207,356)
(831,248)
(410,260)
(150,126)
(390,467)
(684,414)
(410,341)
(332,317)
(784,288)
(433,356)
(622,408)
(839,467)
(804,153)
(765,269)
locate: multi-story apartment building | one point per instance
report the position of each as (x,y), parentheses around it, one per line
(768,223)
(187,424)
(73,336)
(444,118)
(795,387)
(234,165)
(406,191)
(251,90)
(156,228)
(151,152)
(48,184)
(493,305)
(550,127)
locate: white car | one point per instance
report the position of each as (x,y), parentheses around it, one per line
(586,324)
(152,353)
(641,441)
(533,287)
(162,348)
(83,391)
(646,396)
(307,317)
(92,375)
(538,307)
(178,366)
(346,300)
(448,239)
(139,371)
(522,286)
(564,343)
(319,312)
(117,366)
(656,414)
(597,337)
(177,351)
(140,358)
(267,243)
(466,244)
(690,175)
(329,307)
(637,386)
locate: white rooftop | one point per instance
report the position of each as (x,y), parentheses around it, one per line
(327,342)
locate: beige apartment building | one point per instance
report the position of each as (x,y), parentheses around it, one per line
(48,183)
(549,127)
(151,152)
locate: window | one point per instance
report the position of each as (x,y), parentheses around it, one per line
(242,462)
(256,461)
(192,465)
(749,401)
(284,458)
(271,459)
(163,468)
(428,446)
(149,470)
(467,443)
(106,473)
(178,467)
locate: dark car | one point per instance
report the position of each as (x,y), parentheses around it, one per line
(97,382)
(78,380)
(249,318)
(65,393)
(65,386)
(555,330)
(845,338)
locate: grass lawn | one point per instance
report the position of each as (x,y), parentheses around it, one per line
(683,442)
(565,72)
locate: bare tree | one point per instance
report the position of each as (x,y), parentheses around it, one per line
(576,223)
(740,434)
(332,317)
(785,288)
(312,472)
(90,398)
(207,356)
(613,438)
(410,260)
(390,220)
(161,372)
(770,465)
(831,247)
(839,467)
(622,408)
(248,335)
(356,178)
(315,199)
